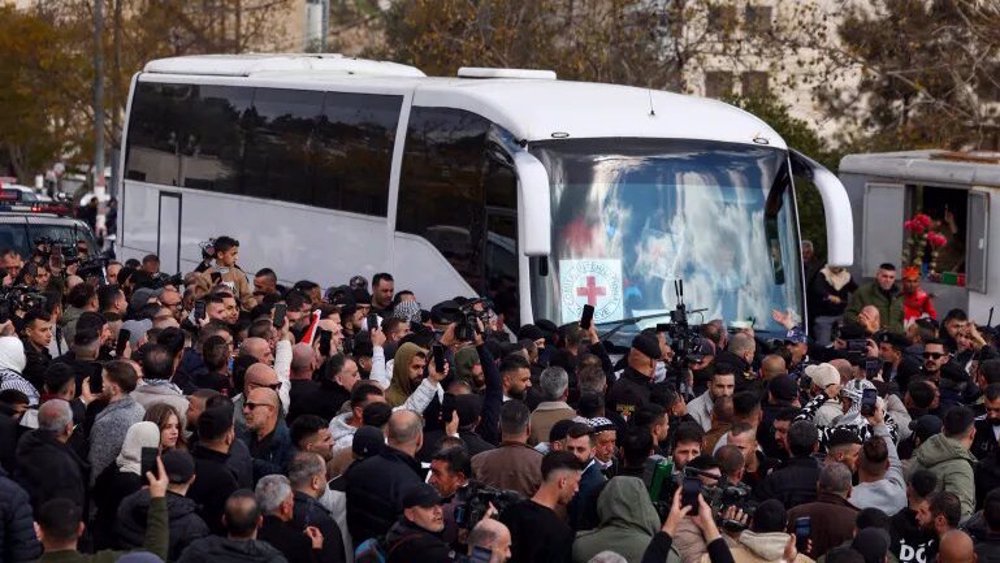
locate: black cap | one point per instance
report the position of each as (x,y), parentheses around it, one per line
(422,495)
(445,312)
(530,332)
(179,466)
(648,345)
(368,441)
(926,426)
(894,339)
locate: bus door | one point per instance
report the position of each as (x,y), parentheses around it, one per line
(168,234)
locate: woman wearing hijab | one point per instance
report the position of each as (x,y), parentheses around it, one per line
(121,480)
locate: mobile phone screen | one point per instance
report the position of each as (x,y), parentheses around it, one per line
(123,335)
(199,310)
(689,494)
(147,461)
(803,529)
(868,398)
(439,358)
(372,321)
(325,340)
(587,317)
(280,310)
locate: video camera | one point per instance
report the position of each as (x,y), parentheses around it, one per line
(684,338)
(44,247)
(18,298)
(467,327)
(724,494)
(468,514)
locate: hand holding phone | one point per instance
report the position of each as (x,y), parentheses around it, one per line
(199,311)
(123,336)
(690,490)
(803,529)
(280,310)
(325,340)
(372,322)
(868,399)
(587,318)
(439,358)
(147,461)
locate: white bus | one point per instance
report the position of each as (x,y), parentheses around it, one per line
(542,194)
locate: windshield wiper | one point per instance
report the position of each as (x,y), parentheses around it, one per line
(618,325)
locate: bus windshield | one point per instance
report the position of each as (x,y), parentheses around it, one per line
(630,216)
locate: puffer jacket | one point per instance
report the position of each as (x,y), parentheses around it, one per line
(185,524)
(627,522)
(216,549)
(751,547)
(17,533)
(342,432)
(953,465)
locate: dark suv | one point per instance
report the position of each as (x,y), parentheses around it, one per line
(21,231)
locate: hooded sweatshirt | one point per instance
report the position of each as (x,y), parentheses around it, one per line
(627,522)
(953,465)
(888,493)
(342,432)
(754,547)
(402,386)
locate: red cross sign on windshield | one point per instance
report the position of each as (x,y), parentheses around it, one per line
(592,291)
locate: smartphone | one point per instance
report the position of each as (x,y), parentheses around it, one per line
(280,310)
(123,335)
(587,317)
(857,345)
(372,321)
(147,461)
(689,494)
(97,381)
(803,529)
(438,358)
(199,310)
(216,278)
(872,367)
(447,408)
(868,398)
(325,340)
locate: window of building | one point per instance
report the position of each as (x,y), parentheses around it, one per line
(754,83)
(718,84)
(722,18)
(757,18)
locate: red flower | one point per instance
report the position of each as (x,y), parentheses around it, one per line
(936,240)
(914,227)
(923,219)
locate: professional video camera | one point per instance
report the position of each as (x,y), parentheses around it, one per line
(45,246)
(466,329)
(161,279)
(18,298)
(723,495)
(468,514)
(684,338)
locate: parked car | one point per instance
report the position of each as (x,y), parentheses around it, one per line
(22,231)
(15,197)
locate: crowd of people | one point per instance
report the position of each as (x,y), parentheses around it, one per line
(220,416)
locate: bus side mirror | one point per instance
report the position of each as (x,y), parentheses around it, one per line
(533,205)
(836,208)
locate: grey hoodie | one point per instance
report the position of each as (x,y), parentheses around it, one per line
(953,464)
(888,493)
(341,431)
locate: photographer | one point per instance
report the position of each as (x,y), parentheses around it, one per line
(660,547)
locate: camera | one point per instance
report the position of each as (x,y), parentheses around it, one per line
(18,298)
(467,327)
(684,338)
(724,494)
(468,514)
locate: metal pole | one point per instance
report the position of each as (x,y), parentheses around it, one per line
(99,187)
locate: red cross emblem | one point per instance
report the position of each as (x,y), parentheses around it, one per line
(592,291)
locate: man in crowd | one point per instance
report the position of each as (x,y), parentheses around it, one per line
(884,295)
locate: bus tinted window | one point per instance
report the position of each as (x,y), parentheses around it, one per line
(331,150)
(354,143)
(459,198)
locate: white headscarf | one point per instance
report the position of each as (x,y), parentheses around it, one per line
(140,435)
(12,354)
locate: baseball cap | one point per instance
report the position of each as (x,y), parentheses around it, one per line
(796,336)
(648,345)
(894,339)
(926,426)
(422,495)
(368,441)
(823,375)
(179,466)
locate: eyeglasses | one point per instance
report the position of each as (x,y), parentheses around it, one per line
(252,406)
(934,355)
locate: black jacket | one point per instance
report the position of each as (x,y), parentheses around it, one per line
(908,542)
(49,469)
(82,369)
(793,483)
(629,394)
(185,525)
(37,362)
(408,543)
(985,441)
(988,550)
(291,542)
(309,512)
(308,398)
(216,549)
(213,484)
(17,532)
(987,475)
(375,490)
(10,432)
(272,454)
(474,443)
(110,488)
